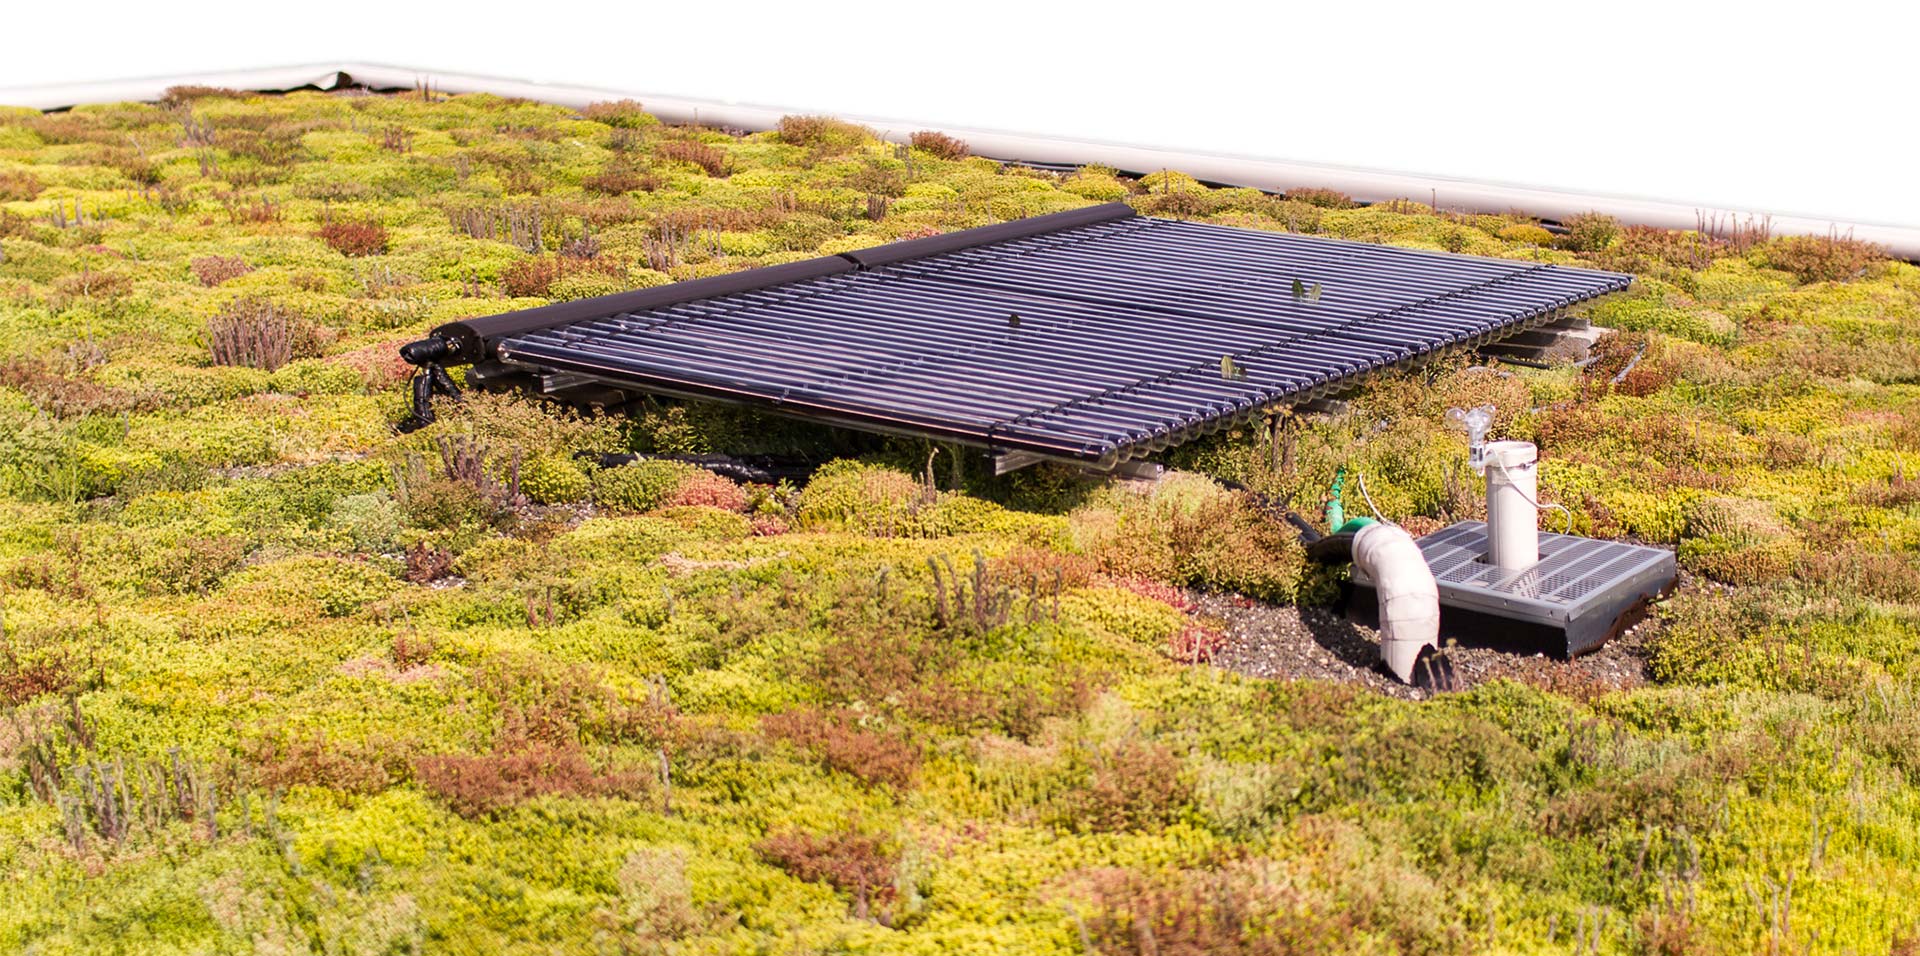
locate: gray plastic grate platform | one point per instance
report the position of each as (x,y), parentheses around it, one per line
(1582,588)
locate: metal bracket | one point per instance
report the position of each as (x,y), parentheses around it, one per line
(1011,461)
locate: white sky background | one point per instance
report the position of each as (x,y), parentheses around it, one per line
(1811,109)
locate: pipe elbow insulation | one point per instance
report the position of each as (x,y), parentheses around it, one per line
(1409,596)
(426,351)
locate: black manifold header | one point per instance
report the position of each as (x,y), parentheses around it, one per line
(468,340)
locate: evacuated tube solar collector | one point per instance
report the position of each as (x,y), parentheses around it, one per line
(1092,336)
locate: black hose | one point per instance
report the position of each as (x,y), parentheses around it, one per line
(431,380)
(1275,507)
(1308,533)
(758,470)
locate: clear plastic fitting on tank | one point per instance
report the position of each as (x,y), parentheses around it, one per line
(1477,422)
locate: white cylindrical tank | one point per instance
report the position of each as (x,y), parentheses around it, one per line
(1513,521)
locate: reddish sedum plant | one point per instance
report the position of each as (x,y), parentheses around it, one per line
(484,785)
(938,144)
(354,239)
(837,739)
(533,277)
(213,270)
(625,114)
(710,490)
(859,865)
(1821,258)
(711,159)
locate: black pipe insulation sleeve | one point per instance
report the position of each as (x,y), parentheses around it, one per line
(1332,548)
(426,351)
(470,340)
(892,252)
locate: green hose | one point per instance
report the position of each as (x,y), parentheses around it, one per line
(1337,521)
(1336,512)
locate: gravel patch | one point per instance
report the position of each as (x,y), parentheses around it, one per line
(1319,643)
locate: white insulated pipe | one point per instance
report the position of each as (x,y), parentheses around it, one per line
(1409,597)
(1272,175)
(1513,517)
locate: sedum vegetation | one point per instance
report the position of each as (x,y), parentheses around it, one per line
(277,678)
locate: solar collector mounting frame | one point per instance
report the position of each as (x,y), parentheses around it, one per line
(1091,336)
